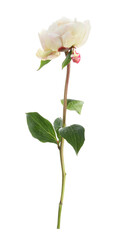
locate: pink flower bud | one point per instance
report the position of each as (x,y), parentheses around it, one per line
(75,57)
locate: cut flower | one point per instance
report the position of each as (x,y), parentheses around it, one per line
(63,34)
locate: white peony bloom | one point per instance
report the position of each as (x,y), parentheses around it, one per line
(62,34)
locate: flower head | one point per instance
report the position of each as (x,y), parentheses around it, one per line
(62,35)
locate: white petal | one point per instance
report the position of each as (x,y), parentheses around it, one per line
(86,34)
(53,55)
(53,41)
(73,34)
(78,31)
(68,40)
(40,54)
(47,55)
(50,40)
(42,37)
(60,22)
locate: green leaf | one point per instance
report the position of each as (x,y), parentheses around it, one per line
(57,125)
(42,63)
(75,105)
(67,60)
(74,135)
(41,128)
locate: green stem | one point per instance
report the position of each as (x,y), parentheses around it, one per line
(62,148)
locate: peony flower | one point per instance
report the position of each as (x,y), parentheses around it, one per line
(63,35)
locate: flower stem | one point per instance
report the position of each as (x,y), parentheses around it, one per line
(62,148)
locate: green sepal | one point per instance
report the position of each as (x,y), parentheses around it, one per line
(74,135)
(40,128)
(42,63)
(67,60)
(74,105)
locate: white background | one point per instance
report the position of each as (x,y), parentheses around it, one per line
(97,203)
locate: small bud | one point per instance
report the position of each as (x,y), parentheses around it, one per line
(75,57)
